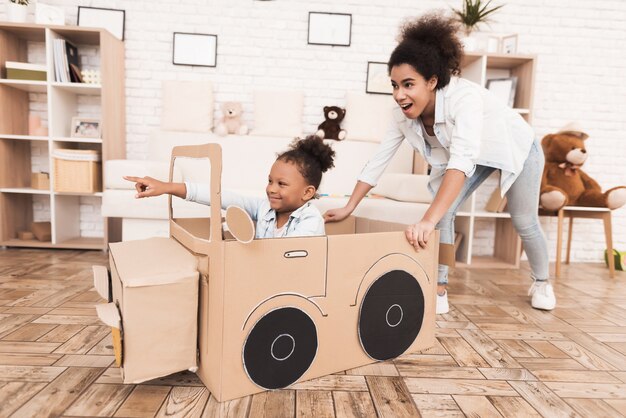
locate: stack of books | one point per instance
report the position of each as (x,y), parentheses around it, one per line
(26,71)
(66,69)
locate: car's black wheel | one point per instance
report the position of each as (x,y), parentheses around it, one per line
(280,348)
(391,315)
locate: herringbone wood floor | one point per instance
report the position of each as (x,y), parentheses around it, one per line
(495,356)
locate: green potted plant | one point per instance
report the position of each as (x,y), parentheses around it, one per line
(17,10)
(473,13)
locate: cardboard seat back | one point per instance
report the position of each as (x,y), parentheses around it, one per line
(155,291)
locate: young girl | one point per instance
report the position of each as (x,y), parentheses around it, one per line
(293,181)
(465,134)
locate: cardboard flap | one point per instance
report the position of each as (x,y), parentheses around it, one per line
(153,261)
(240,224)
(101,281)
(109,314)
(447,254)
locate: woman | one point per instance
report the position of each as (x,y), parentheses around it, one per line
(465,134)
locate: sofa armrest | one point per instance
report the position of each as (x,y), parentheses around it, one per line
(115,170)
(404,187)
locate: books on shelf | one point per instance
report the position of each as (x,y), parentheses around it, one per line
(26,71)
(497,202)
(66,69)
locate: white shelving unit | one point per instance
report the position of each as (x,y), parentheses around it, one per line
(507,247)
(63,101)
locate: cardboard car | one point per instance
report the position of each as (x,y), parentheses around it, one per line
(256,314)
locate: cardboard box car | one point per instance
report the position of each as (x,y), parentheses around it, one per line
(274,312)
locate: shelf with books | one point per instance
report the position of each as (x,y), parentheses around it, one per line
(79,88)
(65,106)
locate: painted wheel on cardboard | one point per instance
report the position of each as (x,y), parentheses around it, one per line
(280,348)
(391,315)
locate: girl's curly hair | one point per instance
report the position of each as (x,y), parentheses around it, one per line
(430,45)
(312,157)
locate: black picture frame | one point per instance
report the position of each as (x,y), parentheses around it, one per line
(377,80)
(323,28)
(190,42)
(103,12)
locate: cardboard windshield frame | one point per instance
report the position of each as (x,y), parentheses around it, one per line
(269,310)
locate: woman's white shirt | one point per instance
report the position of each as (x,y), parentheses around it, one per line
(473,128)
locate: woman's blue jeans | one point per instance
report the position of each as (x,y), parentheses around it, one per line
(522,204)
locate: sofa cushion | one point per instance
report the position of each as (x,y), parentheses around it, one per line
(187,106)
(160,142)
(278,113)
(404,187)
(378,209)
(367,116)
(351,157)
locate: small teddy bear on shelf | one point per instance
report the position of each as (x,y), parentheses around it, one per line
(231,122)
(330,128)
(563,182)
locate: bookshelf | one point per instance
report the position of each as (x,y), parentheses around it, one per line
(472,216)
(19,202)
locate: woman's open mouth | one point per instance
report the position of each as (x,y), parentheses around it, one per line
(406,106)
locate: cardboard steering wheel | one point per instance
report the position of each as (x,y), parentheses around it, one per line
(239,224)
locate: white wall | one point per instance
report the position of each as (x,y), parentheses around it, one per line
(262,44)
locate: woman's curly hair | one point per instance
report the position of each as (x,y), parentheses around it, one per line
(430,45)
(312,157)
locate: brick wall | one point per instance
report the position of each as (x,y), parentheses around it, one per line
(262,44)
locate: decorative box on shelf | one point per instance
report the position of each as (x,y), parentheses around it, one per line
(77,171)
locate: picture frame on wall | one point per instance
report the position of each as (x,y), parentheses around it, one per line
(113,20)
(333,29)
(503,89)
(197,49)
(378,81)
(85,128)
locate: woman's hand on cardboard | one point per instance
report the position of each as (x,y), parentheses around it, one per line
(419,233)
(148,187)
(336,215)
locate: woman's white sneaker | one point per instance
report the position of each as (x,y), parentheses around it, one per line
(442,304)
(542,295)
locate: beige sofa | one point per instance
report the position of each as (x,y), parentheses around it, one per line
(400,196)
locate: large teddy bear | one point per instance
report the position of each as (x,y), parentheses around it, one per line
(564,183)
(231,122)
(330,128)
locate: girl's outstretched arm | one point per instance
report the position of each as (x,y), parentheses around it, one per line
(149,187)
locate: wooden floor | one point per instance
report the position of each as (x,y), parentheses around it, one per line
(495,356)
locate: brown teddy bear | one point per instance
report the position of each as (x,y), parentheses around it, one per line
(330,128)
(564,183)
(231,122)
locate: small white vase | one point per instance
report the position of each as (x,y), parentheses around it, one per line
(469,43)
(16,12)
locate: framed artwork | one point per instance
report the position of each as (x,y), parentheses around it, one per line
(112,20)
(330,29)
(85,128)
(49,15)
(195,49)
(508,44)
(378,81)
(503,89)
